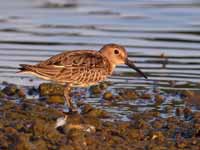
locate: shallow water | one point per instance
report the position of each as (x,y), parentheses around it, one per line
(161,36)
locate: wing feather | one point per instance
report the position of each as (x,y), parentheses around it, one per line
(81,67)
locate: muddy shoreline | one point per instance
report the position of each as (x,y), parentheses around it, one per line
(29,124)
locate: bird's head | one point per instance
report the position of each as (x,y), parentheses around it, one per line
(117,54)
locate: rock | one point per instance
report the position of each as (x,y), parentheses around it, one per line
(95,90)
(158,124)
(108,96)
(159,99)
(145,96)
(10,130)
(127,94)
(3,141)
(2,94)
(93,121)
(30,124)
(142,124)
(188,93)
(1,125)
(46,130)
(21,93)
(60,122)
(135,134)
(196,129)
(66,147)
(196,116)
(56,99)
(10,90)
(181,144)
(97,113)
(178,111)
(131,95)
(98,89)
(77,136)
(177,102)
(75,119)
(38,127)
(192,99)
(23,143)
(104,85)
(158,137)
(187,113)
(48,89)
(40,145)
(86,108)
(82,127)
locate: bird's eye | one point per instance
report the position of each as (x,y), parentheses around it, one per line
(116,51)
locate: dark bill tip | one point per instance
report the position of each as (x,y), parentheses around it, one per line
(132,65)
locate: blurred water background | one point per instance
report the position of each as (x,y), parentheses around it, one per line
(161,36)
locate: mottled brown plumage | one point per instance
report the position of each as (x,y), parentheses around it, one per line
(80,67)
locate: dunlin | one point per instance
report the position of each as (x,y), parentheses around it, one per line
(81,68)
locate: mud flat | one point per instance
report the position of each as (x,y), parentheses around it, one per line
(29,124)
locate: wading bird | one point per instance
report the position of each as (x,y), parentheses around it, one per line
(80,68)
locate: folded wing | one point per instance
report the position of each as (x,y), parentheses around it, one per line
(77,67)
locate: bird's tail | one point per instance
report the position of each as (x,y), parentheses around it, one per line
(25,68)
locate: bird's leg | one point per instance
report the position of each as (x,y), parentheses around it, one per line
(67,92)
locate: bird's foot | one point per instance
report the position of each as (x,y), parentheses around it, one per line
(61,121)
(73,110)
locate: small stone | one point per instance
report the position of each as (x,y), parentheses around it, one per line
(104,85)
(86,108)
(145,96)
(56,99)
(48,89)
(61,121)
(77,135)
(95,90)
(187,113)
(128,94)
(168,109)
(1,125)
(93,121)
(159,99)
(21,93)
(188,93)
(66,147)
(40,144)
(10,130)
(2,94)
(194,141)
(107,96)
(158,137)
(89,128)
(178,111)
(23,143)
(131,95)
(98,113)
(10,90)
(158,124)
(181,144)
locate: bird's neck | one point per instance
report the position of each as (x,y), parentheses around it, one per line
(112,65)
(112,68)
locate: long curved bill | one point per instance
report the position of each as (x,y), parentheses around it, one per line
(132,65)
